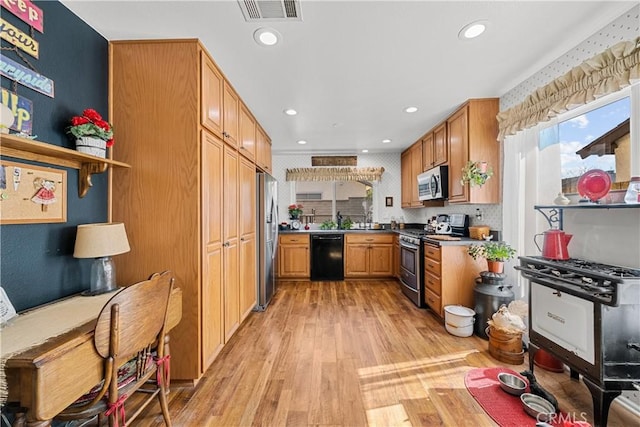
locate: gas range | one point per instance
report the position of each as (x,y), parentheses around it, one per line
(585,279)
(412,235)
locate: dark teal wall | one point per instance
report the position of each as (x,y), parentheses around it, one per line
(36,264)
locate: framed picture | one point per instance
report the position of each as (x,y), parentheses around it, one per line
(388,201)
(32,194)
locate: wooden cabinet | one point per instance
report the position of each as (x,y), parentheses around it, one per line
(247,274)
(181,198)
(211,95)
(411,165)
(294,256)
(263,150)
(212,276)
(368,255)
(231,108)
(247,139)
(440,146)
(472,133)
(427,151)
(449,276)
(396,256)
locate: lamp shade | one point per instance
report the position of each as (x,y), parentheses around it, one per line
(101,240)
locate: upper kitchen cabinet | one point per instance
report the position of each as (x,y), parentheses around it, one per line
(231,108)
(211,87)
(247,126)
(434,147)
(472,134)
(263,151)
(411,165)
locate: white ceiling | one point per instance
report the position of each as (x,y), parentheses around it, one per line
(350,67)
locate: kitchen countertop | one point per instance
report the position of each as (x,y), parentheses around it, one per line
(462,241)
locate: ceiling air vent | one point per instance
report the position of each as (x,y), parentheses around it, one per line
(270,10)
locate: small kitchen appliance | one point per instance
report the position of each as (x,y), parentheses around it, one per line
(586,314)
(554,244)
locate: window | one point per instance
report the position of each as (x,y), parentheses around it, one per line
(598,138)
(322,200)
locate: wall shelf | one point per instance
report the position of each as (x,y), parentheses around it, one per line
(27,149)
(554,213)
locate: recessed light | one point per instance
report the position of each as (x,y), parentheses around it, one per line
(266,36)
(365,151)
(302,142)
(472,30)
(386,141)
(290,112)
(411,109)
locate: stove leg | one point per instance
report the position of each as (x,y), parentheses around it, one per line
(532,353)
(601,401)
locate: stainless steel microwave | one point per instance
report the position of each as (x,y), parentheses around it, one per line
(434,184)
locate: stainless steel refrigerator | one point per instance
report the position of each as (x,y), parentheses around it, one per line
(267,193)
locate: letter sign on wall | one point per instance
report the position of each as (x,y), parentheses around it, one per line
(26,11)
(26,77)
(22,109)
(16,37)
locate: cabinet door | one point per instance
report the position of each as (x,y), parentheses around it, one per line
(211,96)
(212,294)
(247,198)
(263,152)
(294,261)
(381,260)
(427,152)
(457,127)
(247,141)
(230,114)
(356,260)
(405,166)
(416,169)
(248,287)
(396,257)
(440,151)
(231,238)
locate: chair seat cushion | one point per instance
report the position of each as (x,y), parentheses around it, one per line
(126,375)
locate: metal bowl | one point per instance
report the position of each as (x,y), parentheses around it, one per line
(512,384)
(537,407)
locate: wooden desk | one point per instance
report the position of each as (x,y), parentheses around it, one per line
(47,378)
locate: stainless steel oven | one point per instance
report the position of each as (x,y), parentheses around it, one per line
(411,268)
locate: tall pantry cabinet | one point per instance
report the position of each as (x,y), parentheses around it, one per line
(183,200)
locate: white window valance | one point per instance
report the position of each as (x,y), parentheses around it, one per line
(335,174)
(605,73)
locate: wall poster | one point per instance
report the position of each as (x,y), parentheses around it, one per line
(32,194)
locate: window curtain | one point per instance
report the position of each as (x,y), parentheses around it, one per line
(605,73)
(335,174)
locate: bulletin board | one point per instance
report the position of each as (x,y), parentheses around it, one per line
(32,194)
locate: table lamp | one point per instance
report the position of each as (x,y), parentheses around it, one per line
(101,241)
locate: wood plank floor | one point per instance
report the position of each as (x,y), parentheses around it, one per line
(348,354)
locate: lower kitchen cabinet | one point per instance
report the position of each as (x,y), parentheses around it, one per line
(449,276)
(293,256)
(396,256)
(368,255)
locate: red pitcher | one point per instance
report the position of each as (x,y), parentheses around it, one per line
(554,245)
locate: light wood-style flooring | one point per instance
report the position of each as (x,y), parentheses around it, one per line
(348,354)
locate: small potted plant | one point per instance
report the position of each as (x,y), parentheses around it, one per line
(476,173)
(93,134)
(496,253)
(295,210)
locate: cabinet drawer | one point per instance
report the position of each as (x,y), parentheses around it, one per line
(432,266)
(433,301)
(369,238)
(433,283)
(432,252)
(294,239)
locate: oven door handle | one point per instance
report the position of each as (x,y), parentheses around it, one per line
(409,246)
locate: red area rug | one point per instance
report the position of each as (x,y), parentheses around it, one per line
(504,408)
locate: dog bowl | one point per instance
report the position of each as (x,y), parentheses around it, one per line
(537,407)
(512,384)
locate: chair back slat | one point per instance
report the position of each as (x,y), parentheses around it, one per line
(142,309)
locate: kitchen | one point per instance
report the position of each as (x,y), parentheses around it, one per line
(389,186)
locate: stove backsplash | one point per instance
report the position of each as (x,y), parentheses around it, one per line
(610,236)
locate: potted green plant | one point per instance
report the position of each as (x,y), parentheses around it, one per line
(496,253)
(295,210)
(347,223)
(476,173)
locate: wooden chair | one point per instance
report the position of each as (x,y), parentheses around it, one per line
(130,337)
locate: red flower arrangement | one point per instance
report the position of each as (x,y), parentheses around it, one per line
(91,124)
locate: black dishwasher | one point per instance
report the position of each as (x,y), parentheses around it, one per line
(326,257)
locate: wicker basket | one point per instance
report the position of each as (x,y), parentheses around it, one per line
(476,232)
(505,346)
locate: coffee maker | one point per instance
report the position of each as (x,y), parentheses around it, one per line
(459,224)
